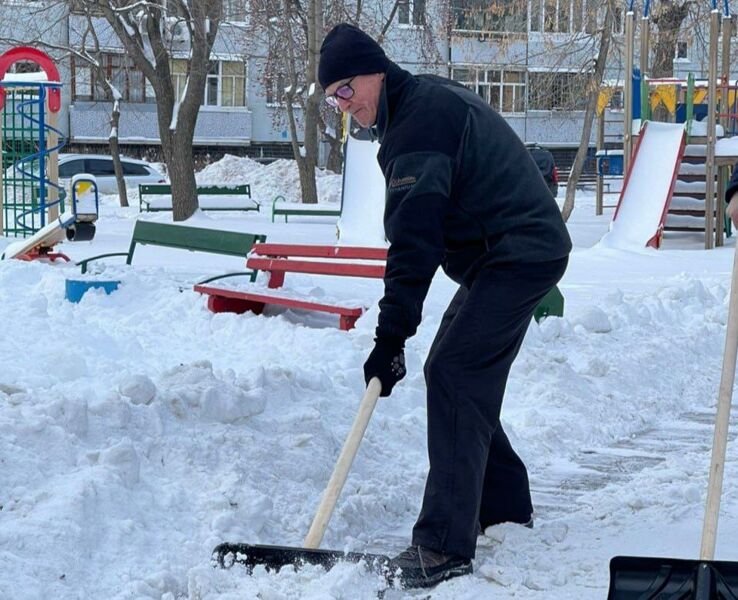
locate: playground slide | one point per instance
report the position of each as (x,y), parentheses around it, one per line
(648,186)
(76,224)
(46,237)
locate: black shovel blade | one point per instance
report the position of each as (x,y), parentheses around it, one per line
(646,578)
(276,557)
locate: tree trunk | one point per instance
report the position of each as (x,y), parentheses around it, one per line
(593,89)
(115,154)
(310,162)
(668,19)
(335,155)
(181,167)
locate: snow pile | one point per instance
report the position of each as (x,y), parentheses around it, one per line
(279,178)
(158,430)
(138,430)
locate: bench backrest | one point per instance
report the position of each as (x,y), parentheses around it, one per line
(232,243)
(314,267)
(313,251)
(165,189)
(145,189)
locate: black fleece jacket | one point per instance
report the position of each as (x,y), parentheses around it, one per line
(463,192)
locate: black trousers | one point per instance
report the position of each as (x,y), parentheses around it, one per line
(475,475)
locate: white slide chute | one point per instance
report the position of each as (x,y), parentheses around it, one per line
(362,198)
(649,184)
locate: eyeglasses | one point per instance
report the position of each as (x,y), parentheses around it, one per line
(344,92)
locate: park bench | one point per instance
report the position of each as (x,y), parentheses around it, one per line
(280,207)
(279,259)
(184,237)
(209,197)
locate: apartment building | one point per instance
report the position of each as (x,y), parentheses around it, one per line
(527,58)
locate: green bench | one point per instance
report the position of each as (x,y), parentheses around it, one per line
(209,197)
(290,209)
(195,239)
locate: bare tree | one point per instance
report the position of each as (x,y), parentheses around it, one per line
(566,86)
(291,33)
(143,29)
(592,91)
(88,52)
(668,17)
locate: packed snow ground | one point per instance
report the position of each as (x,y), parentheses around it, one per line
(138,430)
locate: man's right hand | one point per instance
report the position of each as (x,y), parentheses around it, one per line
(387,362)
(732,209)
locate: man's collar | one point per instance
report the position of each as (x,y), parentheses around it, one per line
(395,83)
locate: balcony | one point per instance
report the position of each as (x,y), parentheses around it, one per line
(90,122)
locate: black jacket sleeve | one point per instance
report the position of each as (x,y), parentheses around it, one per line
(732,185)
(418,200)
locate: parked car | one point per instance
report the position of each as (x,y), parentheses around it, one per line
(101,166)
(545,161)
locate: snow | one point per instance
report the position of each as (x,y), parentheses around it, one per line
(138,430)
(26,77)
(699,128)
(727,147)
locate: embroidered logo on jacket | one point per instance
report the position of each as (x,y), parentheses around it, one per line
(397,184)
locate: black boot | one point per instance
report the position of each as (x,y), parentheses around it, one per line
(421,567)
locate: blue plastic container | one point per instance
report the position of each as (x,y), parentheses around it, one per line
(610,162)
(76,288)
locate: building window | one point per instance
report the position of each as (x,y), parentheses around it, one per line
(234,11)
(88,84)
(211,84)
(81,80)
(503,89)
(563,16)
(557,91)
(681,52)
(225,84)
(275,85)
(497,16)
(617,101)
(411,12)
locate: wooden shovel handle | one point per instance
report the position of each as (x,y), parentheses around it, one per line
(720,440)
(343,465)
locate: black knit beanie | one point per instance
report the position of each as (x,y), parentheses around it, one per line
(348,51)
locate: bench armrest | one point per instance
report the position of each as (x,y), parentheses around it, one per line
(274,204)
(83,263)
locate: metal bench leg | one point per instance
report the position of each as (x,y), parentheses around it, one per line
(276,279)
(221,304)
(346,322)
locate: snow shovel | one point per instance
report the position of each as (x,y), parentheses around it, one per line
(275,557)
(642,578)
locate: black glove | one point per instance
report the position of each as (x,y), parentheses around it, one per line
(386,361)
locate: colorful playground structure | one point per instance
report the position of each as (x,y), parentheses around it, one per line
(675,172)
(31,199)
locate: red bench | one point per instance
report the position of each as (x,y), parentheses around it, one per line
(279,259)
